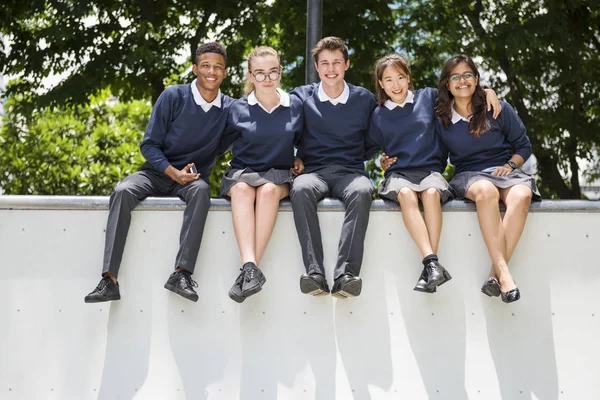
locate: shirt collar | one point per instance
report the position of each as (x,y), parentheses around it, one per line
(457,117)
(200,100)
(284,100)
(342,98)
(410,98)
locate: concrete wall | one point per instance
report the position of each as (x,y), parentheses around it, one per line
(389,343)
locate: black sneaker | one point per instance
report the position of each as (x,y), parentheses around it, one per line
(347,286)
(181,282)
(436,274)
(254,279)
(235,293)
(421,285)
(106,290)
(314,284)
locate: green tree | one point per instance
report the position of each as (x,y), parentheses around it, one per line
(543,54)
(133,47)
(83,150)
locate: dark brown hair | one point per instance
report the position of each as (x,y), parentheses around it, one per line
(479,122)
(395,61)
(330,43)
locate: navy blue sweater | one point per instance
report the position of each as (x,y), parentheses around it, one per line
(262,140)
(181,132)
(507,136)
(409,133)
(335,135)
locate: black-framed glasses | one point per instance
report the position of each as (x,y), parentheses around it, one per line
(467,76)
(261,76)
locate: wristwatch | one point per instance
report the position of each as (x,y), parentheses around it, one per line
(512,164)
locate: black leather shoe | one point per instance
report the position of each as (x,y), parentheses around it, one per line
(106,290)
(491,288)
(181,282)
(421,285)
(235,293)
(436,274)
(314,284)
(347,286)
(511,295)
(253,281)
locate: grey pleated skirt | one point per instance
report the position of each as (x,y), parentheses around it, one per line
(417,181)
(461,182)
(254,179)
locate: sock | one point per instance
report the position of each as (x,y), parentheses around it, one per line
(429,258)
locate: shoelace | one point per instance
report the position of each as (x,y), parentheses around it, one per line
(249,274)
(187,281)
(102,285)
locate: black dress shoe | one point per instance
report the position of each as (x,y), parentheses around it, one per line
(421,285)
(106,290)
(181,282)
(346,286)
(314,284)
(511,295)
(491,288)
(436,274)
(235,293)
(253,281)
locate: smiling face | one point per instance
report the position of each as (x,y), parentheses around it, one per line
(395,84)
(462,81)
(264,68)
(210,70)
(331,68)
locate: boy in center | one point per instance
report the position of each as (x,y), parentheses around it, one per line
(333,149)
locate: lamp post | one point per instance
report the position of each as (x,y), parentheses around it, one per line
(314,30)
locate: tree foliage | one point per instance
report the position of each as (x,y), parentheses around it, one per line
(543,56)
(83,150)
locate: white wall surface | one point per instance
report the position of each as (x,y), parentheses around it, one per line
(389,343)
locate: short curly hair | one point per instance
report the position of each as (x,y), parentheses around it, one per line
(211,47)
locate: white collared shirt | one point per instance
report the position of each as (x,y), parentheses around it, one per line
(284,100)
(410,98)
(200,100)
(342,98)
(457,117)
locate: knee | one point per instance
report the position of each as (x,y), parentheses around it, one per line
(407,196)
(268,191)
(487,193)
(361,194)
(241,190)
(199,188)
(302,190)
(123,191)
(430,195)
(520,196)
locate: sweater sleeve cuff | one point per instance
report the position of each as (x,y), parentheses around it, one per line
(162,167)
(525,153)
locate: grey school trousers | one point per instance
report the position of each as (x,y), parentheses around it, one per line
(355,190)
(136,188)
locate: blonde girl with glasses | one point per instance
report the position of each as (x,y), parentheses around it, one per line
(265,124)
(487,154)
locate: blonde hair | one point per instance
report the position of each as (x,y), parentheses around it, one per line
(260,51)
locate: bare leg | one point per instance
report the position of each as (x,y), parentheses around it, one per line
(267,207)
(486,196)
(414,221)
(517,200)
(242,212)
(432,214)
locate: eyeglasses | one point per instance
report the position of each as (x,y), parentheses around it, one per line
(467,76)
(261,76)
